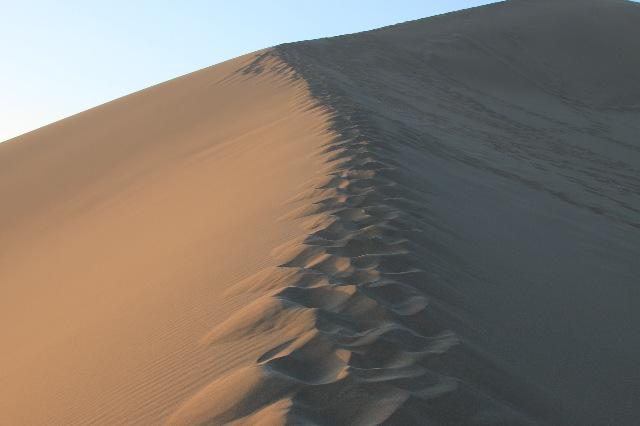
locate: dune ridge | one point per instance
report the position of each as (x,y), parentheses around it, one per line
(355,340)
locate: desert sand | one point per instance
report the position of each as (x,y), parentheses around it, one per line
(436,222)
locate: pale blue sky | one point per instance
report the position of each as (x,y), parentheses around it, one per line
(61,57)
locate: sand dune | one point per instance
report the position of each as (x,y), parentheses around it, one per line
(436,222)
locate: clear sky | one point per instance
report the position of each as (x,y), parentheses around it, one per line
(61,57)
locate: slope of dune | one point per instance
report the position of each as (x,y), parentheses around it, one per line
(121,228)
(436,222)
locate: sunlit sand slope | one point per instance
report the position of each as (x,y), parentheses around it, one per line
(122,227)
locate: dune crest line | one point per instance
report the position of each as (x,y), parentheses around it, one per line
(355,339)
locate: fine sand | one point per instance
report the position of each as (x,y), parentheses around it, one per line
(436,222)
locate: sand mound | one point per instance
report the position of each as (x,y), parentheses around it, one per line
(430,223)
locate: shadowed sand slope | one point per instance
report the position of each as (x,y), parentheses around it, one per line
(431,223)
